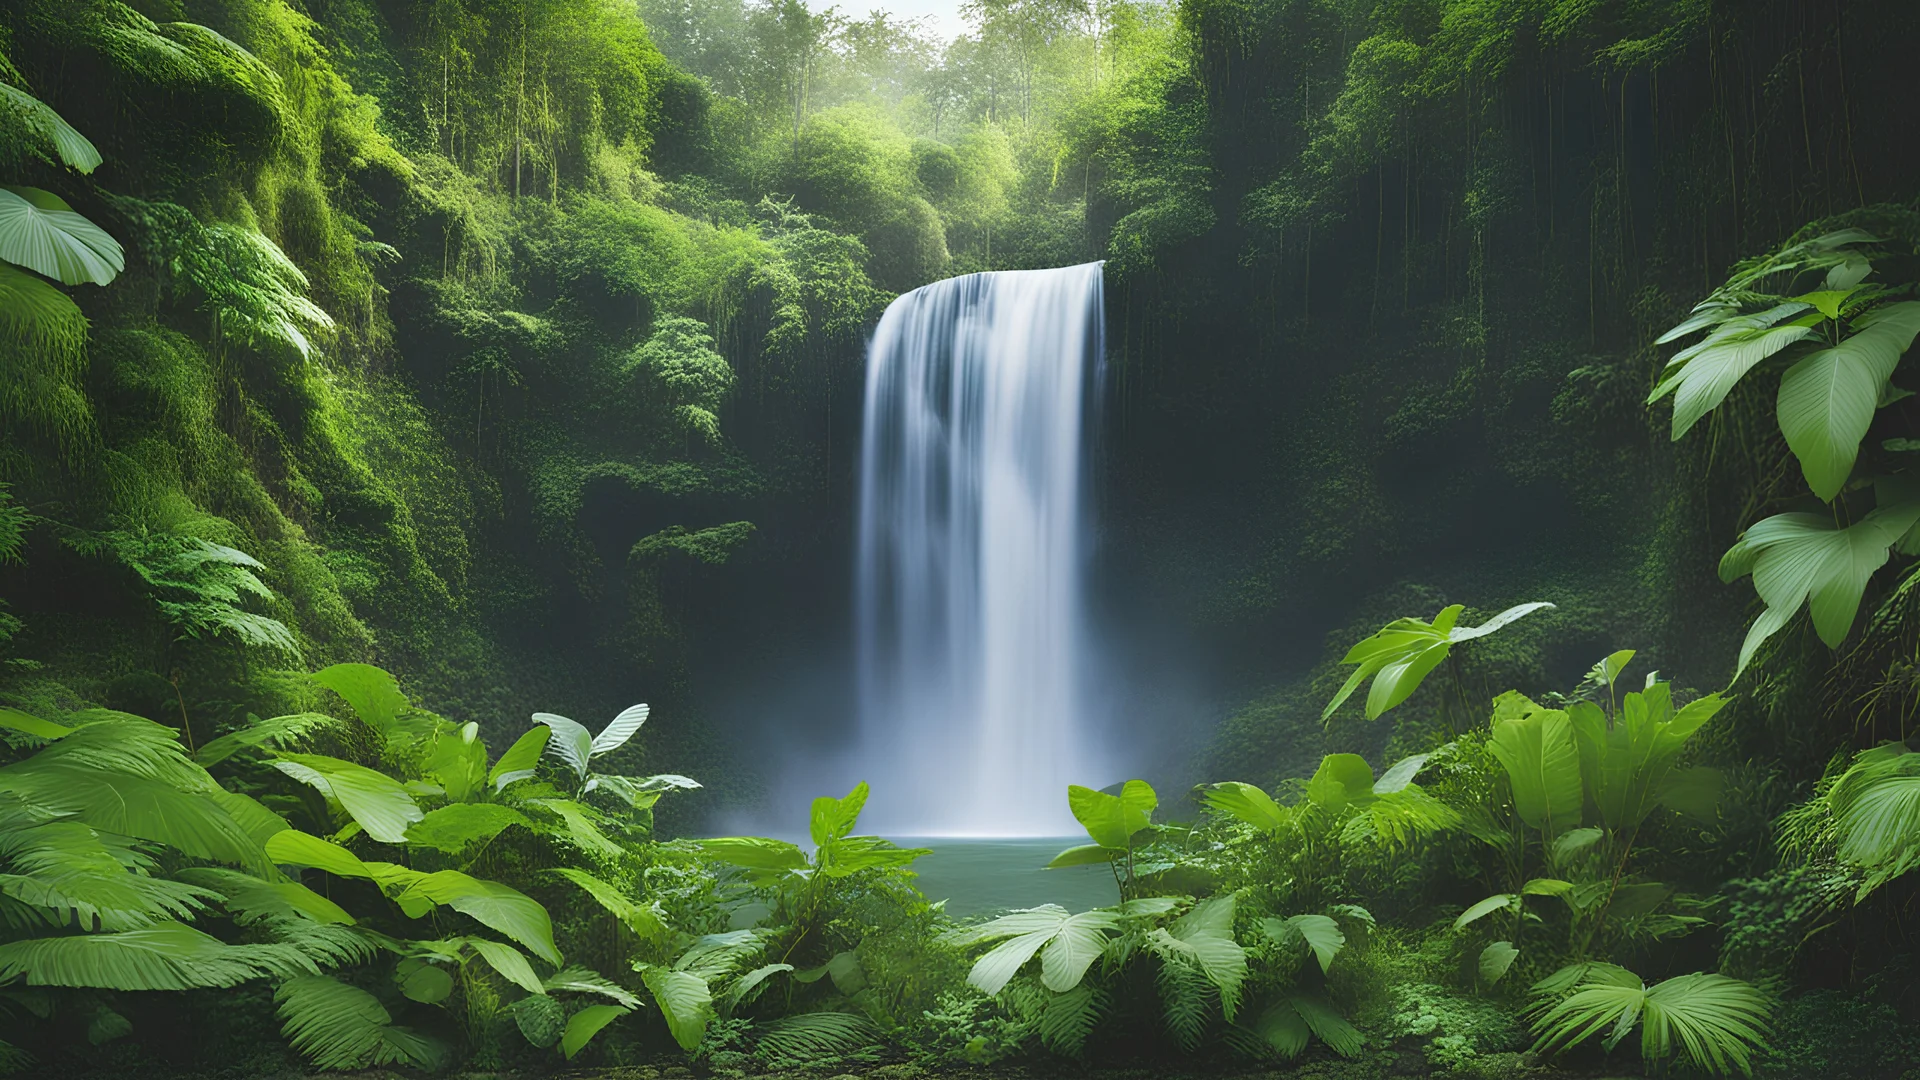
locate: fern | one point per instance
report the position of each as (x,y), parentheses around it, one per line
(338,1026)
(255,294)
(1186,1000)
(1067,1019)
(813,1037)
(198,586)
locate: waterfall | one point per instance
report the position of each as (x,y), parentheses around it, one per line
(972,637)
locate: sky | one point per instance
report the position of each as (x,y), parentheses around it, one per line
(944,22)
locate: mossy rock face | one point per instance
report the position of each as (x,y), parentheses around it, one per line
(182,96)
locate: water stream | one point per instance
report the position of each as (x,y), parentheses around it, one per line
(973,644)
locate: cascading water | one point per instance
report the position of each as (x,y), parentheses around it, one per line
(972,636)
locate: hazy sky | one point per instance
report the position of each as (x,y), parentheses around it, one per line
(945,23)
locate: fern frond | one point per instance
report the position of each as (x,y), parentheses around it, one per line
(1067,1019)
(1186,999)
(280,732)
(797,1040)
(337,1026)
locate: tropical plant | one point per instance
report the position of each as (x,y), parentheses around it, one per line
(1580,782)
(1113,821)
(198,586)
(1839,345)
(428,788)
(1875,812)
(1714,1022)
(1400,655)
(96,823)
(808,893)
(42,327)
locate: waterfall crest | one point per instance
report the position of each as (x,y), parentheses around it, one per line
(973,541)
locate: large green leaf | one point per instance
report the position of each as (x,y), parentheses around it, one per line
(39,231)
(510,963)
(1496,960)
(1828,399)
(684,1000)
(1248,803)
(1072,943)
(1084,855)
(75,876)
(1074,948)
(1800,558)
(373,693)
(30,724)
(491,904)
(756,852)
(571,743)
(834,818)
(72,147)
(373,799)
(292,847)
(1319,933)
(1206,932)
(458,826)
(1713,1021)
(852,854)
(1536,749)
(1340,780)
(1627,762)
(1701,376)
(251,899)
(585,1024)
(579,825)
(1401,654)
(1112,820)
(520,759)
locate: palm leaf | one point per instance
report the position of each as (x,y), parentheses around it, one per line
(163,956)
(797,1040)
(337,1026)
(1876,812)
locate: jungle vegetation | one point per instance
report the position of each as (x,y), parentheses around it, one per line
(1512,410)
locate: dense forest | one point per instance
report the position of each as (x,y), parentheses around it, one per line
(1509,503)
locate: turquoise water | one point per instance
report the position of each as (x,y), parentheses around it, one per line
(976,876)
